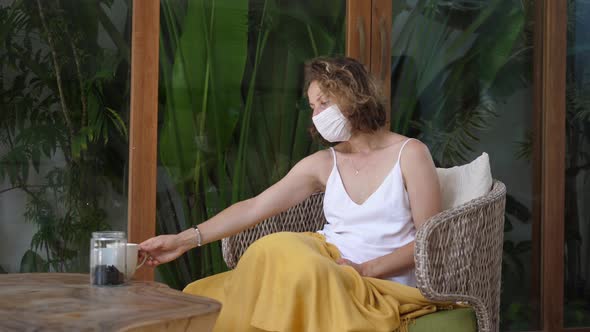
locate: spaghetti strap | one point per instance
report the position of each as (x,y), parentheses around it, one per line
(333,155)
(402,149)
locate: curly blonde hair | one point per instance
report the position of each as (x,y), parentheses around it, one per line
(357,93)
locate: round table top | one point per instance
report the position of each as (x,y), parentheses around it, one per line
(62,301)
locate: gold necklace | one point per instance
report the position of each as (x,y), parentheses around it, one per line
(356,169)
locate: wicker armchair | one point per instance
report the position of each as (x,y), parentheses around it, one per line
(458,252)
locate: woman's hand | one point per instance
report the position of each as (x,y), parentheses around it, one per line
(358,267)
(161,249)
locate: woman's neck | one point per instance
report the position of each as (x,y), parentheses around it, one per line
(368,142)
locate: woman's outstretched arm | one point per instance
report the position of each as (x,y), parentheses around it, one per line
(296,186)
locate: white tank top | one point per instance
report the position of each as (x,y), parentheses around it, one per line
(379,226)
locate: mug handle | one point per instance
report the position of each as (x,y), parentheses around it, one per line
(142,262)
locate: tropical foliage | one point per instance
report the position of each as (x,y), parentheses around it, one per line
(448,58)
(64,97)
(234,120)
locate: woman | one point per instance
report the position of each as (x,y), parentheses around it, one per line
(357,273)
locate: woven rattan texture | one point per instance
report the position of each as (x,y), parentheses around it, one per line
(307,216)
(458,252)
(458,255)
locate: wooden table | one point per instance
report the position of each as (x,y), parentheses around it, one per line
(67,302)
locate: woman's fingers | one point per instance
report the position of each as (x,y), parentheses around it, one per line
(150,248)
(159,250)
(152,262)
(149,244)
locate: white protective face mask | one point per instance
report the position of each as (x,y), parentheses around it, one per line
(332,124)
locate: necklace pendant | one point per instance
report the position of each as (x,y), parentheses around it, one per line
(356,172)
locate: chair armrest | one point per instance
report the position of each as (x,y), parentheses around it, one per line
(307,216)
(458,255)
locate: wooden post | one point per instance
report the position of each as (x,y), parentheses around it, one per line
(143,124)
(368,39)
(358,30)
(381,23)
(552,23)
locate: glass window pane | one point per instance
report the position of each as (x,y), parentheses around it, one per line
(462,83)
(233,118)
(64,96)
(577,185)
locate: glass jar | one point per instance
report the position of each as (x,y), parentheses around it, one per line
(108,258)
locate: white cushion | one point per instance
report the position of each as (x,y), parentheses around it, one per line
(460,184)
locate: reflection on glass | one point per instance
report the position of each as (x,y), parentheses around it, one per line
(461,82)
(64,91)
(577,185)
(233,119)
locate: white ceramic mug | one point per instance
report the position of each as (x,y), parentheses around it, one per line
(114,255)
(132,255)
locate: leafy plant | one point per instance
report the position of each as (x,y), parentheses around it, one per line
(33,262)
(202,98)
(64,100)
(233,115)
(446,59)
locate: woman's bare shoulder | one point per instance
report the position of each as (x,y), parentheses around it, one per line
(317,160)
(415,153)
(415,144)
(322,159)
(319,165)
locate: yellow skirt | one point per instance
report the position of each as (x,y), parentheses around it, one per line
(291,282)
